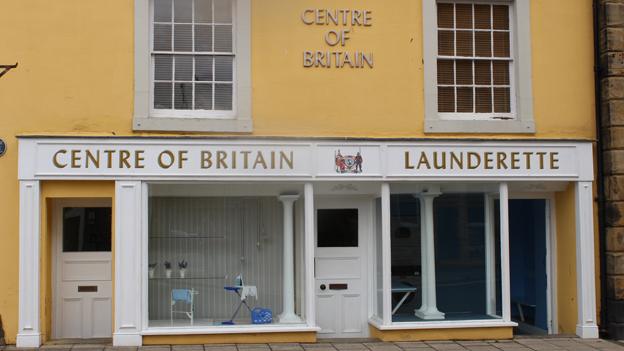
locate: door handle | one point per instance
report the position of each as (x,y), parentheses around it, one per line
(338,286)
(87,288)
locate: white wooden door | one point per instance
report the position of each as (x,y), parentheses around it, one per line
(340,268)
(83,271)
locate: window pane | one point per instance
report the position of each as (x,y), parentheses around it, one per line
(87,229)
(483,100)
(203,11)
(464,100)
(163,67)
(405,234)
(464,72)
(203,38)
(337,228)
(482,17)
(445,15)
(502,100)
(446,43)
(482,73)
(162,95)
(460,255)
(183,37)
(203,68)
(501,17)
(501,44)
(463,16)
(446,99)
(446,74)
(162,10)
(464,43)
(183,11)
(501,72)
(223,68)
(183,68)
(223,97)
(183,96)
(223,39)
(213,240)
(223,11)
(203,96)
(162,37)
(483,44)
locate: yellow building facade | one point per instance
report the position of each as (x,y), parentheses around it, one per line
(241,171)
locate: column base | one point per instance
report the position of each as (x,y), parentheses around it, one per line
(588,331)
(28,340)
(429,313)
(289,318)
(127,339)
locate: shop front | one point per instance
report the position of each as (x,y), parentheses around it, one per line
(199,240)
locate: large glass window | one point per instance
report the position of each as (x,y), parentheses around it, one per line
(213,260)
(461,257)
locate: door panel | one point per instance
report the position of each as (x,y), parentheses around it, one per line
(340,268)
(83,272)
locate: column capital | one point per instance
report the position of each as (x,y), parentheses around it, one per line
(429,192)
(288,197)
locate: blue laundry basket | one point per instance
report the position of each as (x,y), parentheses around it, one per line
(261,316)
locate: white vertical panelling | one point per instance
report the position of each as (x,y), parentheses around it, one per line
(219,238)
(504,242)
(586,326)
(386,252)
(309,254)
(28,334)
(128,214)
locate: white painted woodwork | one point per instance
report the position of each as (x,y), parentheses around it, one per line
(429,309)
(309,248)
(128,268)
(288,315)
(343,313)
(586,326)
(386,251)
(28,333)
(504,242)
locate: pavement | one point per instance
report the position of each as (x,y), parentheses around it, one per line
(518,344)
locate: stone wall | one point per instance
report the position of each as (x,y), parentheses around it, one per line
(611,73)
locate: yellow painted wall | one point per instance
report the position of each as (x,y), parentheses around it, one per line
(566,261)
(75,77)
(498,333)
(248,338)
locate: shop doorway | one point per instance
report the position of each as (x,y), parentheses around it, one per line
(529,258)
(341,275)
(82,270)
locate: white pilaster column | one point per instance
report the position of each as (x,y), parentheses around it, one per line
(129,214)
(503,191)
(386,250)
(586,327)
(28,333)
(288,314)
(429,308)
(308,219)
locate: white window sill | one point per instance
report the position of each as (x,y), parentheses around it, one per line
(479,126)
(231,329)
(478,323)
(179,124)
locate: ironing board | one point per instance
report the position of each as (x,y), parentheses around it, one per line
(243,292)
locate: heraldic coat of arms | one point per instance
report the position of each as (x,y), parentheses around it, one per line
(348,163)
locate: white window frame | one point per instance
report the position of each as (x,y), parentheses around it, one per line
(521,116)
(146,118)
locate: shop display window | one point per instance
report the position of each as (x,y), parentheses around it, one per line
(214,261)
(465,258)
